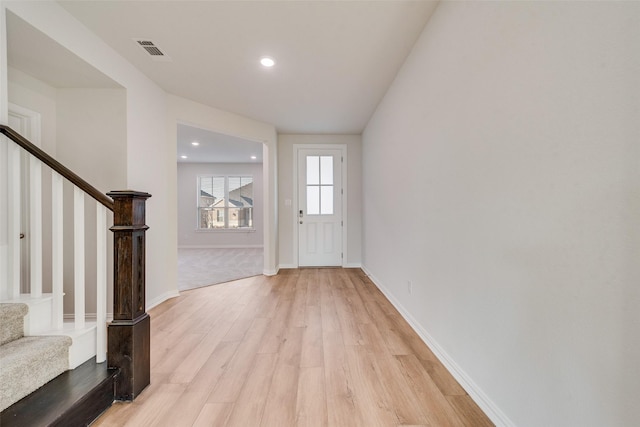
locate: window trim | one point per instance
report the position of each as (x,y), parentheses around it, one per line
(226,228)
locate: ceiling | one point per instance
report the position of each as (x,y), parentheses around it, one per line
(215,147)
(32,52)
(334,59)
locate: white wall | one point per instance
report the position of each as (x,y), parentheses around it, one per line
(354,193)
(36,95)
(148,158)
(4,195)
(188,235)
(512,136)
(194,114)
(91,135)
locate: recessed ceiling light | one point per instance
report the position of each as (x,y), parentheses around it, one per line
(195,143)
(183,157)
(253,157)
(267,62)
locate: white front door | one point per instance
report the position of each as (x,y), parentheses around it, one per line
(319,214)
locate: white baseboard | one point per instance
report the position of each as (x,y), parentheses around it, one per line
(352,265)
(268,272)
(221,247)
(492,411)
(287,266)
(293,266)
(154,302)
(162,298)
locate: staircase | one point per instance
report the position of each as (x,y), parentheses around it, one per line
(36,386)
(37,322)
(60,365)
(43,357)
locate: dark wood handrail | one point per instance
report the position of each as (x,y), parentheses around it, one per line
(57,166)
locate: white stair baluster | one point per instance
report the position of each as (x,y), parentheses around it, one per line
(35,226)
(101,283)
(57,250)
(13,226)
(78,258)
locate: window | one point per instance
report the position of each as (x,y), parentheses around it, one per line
(319,185)
(225,202)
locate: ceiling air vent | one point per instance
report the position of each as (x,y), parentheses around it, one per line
(152,50)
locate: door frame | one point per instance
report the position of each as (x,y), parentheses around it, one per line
(31,118)
(296,242)
(31,128)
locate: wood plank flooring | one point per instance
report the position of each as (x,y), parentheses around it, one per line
(309,347)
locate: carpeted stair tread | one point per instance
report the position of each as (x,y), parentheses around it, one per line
(30,362)
(12,321)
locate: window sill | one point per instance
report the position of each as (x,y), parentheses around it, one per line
(225,230)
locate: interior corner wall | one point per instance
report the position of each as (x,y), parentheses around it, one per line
(502,177)
(4,194)
(181,110)
(4,117)
(354,193)
(150,162)
(188,235)
(91,133)
(151,169)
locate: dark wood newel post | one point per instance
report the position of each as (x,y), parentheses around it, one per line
(129,333)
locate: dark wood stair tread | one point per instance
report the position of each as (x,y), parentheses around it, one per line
(74,398)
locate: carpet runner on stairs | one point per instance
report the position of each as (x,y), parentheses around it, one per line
(12,322)
(27,363)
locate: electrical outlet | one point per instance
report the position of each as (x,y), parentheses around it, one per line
(409,287)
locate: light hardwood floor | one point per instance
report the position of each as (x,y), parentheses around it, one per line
(309,347)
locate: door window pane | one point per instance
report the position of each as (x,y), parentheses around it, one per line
(326,170)
(313,170)
(326,200)
(313,200)
(320,191)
